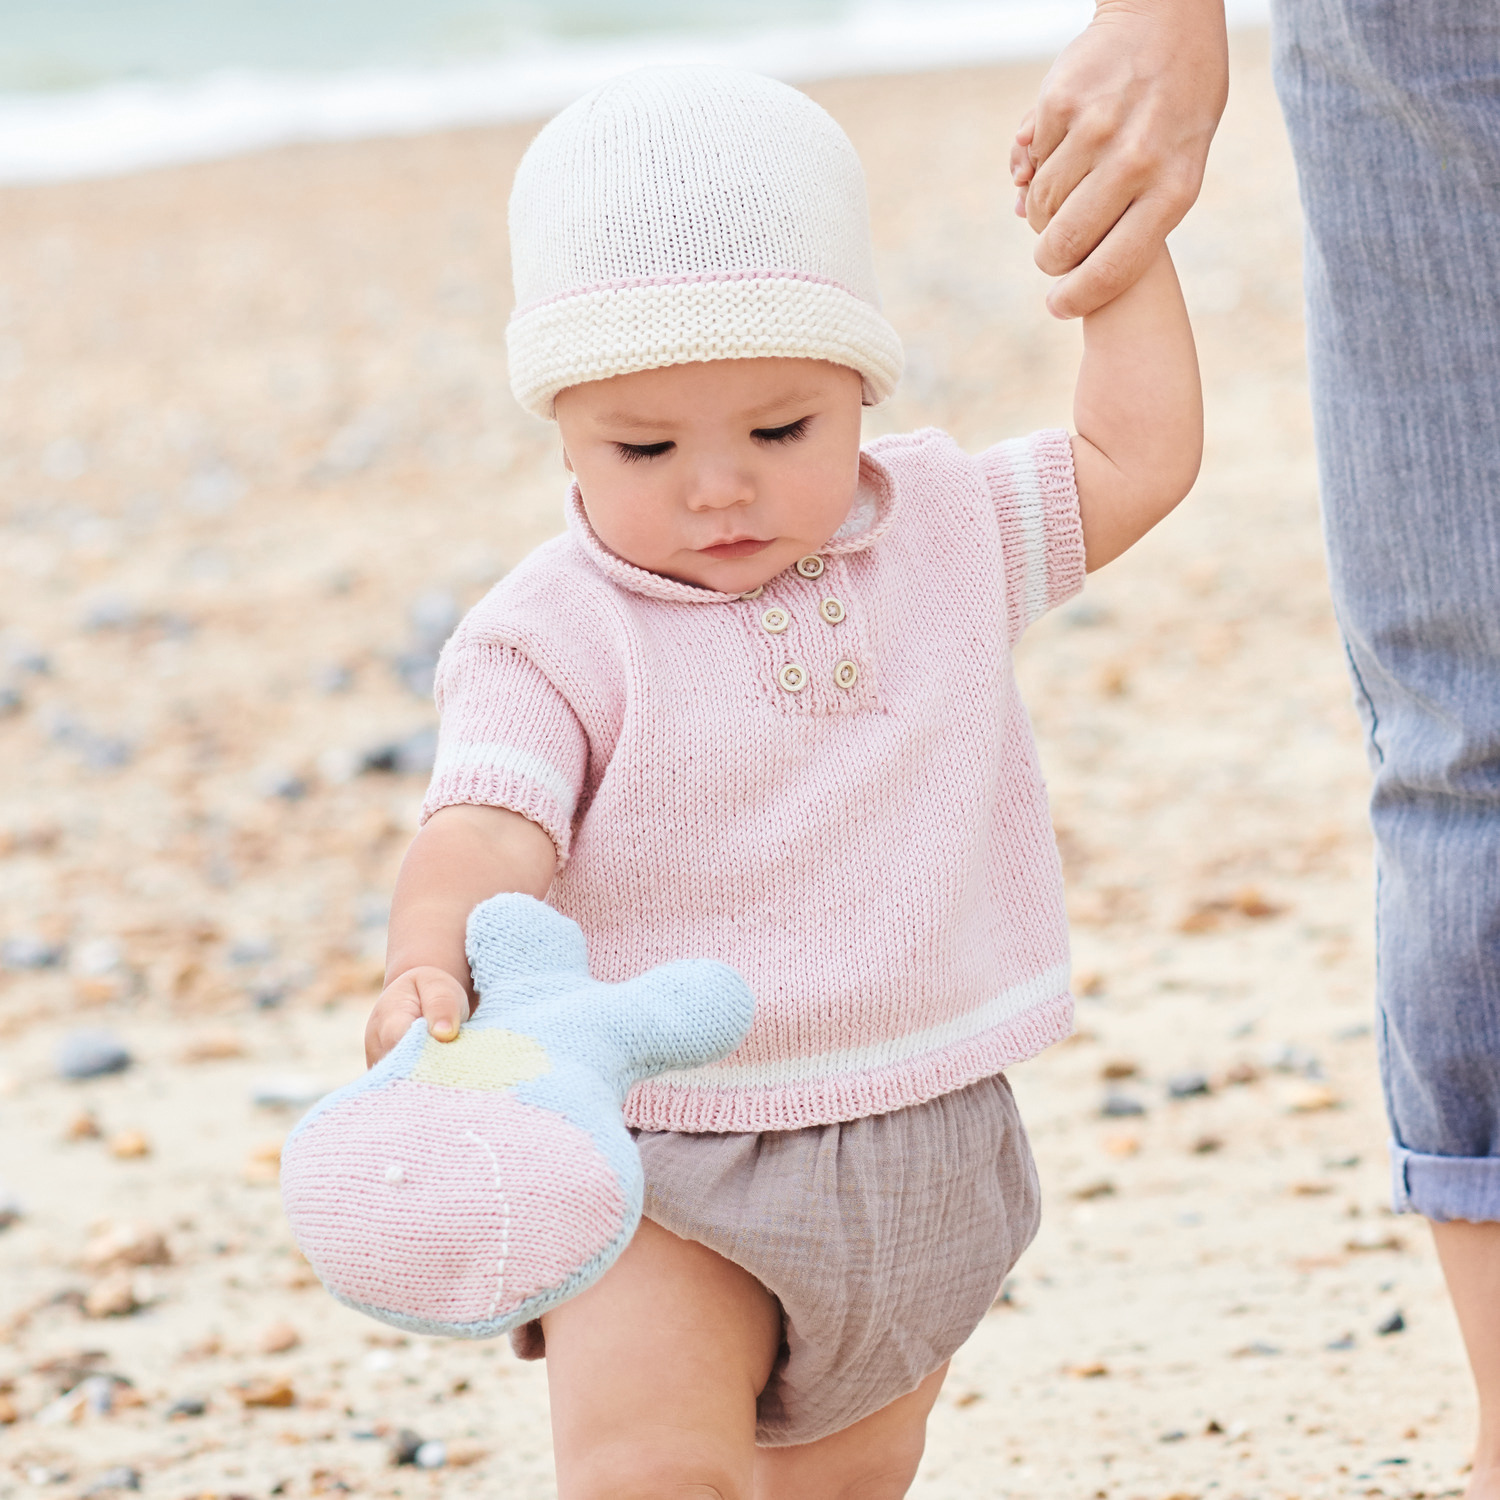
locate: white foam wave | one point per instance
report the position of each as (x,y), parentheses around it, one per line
(125,127)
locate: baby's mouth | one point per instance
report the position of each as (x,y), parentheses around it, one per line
(745,547)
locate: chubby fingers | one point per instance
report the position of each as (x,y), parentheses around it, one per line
(444,1003)
(429,994)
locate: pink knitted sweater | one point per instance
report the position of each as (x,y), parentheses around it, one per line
(831,785)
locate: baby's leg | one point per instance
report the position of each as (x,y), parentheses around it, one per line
(654,1372)
(875,1459)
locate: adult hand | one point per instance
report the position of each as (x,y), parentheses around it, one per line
(1112,156)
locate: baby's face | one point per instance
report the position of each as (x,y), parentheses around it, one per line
(719,474)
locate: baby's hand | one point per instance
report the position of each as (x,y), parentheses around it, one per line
(1022,163)
(431,993)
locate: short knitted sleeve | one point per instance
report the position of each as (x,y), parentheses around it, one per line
(507,738)
(1041,532)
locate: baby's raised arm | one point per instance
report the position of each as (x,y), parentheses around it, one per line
(462,856)
(1138,411)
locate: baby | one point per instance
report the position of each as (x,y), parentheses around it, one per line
(757,705)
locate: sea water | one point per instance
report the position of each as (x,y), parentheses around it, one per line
(93,87)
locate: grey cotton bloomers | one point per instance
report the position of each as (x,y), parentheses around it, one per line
(884,1239)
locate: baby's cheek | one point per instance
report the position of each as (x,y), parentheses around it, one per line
(447,1204)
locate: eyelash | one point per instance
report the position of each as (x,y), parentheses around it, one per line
(793,432)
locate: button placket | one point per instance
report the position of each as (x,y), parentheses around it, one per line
(814,648)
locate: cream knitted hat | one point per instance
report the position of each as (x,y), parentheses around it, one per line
(681,214)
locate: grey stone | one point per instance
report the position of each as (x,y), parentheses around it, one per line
(10,1207)
(25,952)
(110,612)
(406,1445)
(412,756)
(1187,1086)
(186,1406)
(333,677)
(12,701)
(256,949)
(1121,1106)
(1338,1345)
(90,1054)
(119,1478)
(1395,1323)
(288,1091)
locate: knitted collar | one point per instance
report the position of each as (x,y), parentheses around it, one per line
(874,509)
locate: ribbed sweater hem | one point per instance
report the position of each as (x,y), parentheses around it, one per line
(661,1105)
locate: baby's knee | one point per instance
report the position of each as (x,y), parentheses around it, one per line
(642,1470)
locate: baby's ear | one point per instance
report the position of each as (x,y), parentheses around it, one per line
(513,937)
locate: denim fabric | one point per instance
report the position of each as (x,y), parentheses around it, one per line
(1394,113)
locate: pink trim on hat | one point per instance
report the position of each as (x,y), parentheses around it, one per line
(681,278)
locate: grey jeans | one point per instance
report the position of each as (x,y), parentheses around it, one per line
(1394,113)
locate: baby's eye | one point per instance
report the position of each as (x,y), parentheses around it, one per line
(791,433)
(633,453)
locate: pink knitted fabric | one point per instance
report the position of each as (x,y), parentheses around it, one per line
(871,848)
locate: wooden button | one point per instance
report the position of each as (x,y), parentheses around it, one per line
(811,566)
(754,593)
(845,674)
(832,611)
(775,620)
(792,677)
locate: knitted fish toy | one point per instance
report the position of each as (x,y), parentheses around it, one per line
(466,1187)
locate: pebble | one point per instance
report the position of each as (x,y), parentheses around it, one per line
(90,1054)
(1395,1323)
(28,658)
(1103,1188)
(288,1091)
(433,1454)
(112,1297)
(333,677)
(186,1406)
(97,958)
(129,1145)
(278,1338)
(244,951)
(405,1446)
(277,1392)
(11,700)
(10,1207)
(1187,1086)
(1118,1067)
(1121,1106)
(25,952)
(412,756)
(84,1126)
(213,1046)
(1338,1345)
(8,1412)
(1290,1058)
(121,1478)
(126,1245)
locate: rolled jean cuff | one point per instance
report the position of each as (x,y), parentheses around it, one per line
(1445,1187)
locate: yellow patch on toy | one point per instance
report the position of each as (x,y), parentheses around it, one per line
(491,1059)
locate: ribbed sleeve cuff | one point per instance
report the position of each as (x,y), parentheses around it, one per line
(1041,530)
(503,776)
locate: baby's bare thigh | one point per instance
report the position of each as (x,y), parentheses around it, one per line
(874,1459)
(654,1373)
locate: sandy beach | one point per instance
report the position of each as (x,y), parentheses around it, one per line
(257,451)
